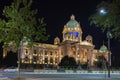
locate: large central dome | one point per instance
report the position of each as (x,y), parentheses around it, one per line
(72,30)
(72,22)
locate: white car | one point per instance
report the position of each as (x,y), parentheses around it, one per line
(11,69)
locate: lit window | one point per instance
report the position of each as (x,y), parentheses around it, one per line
(51,53)
(76,34)
(45,52)
(34,51)
(46,60)
(34,59)
(51,60)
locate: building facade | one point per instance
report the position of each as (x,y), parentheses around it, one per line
(72,45)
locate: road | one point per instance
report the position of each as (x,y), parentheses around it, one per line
(70,76)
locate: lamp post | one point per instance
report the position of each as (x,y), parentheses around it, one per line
(109,36)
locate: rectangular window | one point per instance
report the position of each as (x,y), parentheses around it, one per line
(34,51)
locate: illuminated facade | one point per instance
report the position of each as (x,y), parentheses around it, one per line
(71,45)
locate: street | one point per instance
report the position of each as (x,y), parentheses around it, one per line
(58,76)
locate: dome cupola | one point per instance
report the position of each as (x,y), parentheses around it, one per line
(56,40)
(89,38)
(72,30)
(103,48)
(72,22)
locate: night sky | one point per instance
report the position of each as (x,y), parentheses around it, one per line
(57,13)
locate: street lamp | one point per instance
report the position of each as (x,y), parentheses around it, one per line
(103,11)
(109,36)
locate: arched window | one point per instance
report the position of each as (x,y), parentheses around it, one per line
(46,60)
(76,34)
(51,60)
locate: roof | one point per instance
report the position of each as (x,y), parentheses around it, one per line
(72,22)
(103,48)
(86,43)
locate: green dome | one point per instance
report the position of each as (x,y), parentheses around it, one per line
(72,23)
(103,48)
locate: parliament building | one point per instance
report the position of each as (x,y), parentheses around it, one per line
(72,45)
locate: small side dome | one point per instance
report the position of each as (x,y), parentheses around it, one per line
(103,48)
(72,22)
(89,38)
(56,40)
